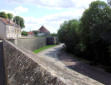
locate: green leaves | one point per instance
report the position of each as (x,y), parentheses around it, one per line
(19,21)
(95,21)
(7,16)
(10,16)
(89,38)
(24,33)
(69,34)
(3,15)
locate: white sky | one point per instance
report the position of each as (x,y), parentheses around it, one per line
(50,13)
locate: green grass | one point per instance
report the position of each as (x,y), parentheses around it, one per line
(43,48)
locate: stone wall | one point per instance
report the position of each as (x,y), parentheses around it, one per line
(31,43)
(2,30)
(23,70)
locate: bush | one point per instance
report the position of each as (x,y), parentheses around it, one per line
(69,34)
(24,33)
(94,23)
(89,37)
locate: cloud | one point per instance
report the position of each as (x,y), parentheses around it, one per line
(56,3)
(16,11)
(20,9)
(52,22)
(7,11)
(46,3)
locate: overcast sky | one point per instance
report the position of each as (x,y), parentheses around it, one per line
(50,13)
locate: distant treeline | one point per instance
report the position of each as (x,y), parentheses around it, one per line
(90,37)
(17,19)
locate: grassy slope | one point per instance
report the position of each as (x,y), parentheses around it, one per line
(43,48)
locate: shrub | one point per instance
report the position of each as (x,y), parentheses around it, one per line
(24,33)
(95,22)
(89,37)
(69,34)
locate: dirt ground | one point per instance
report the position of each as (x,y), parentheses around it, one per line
(59,60)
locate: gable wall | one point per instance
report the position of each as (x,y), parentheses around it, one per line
(2,30)
(23,70)
(13,32)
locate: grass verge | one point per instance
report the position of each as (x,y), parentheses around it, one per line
(43,48)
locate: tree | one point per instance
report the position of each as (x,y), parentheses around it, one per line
(24,33)
(54,34)
(10,16)
(3,15)
(35,32)
(69,34)
(19,21)
(95,21)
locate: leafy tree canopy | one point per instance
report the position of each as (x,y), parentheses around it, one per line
(3,15)
(54,34)
(95,21)
(24,33)
(19,21)
(10,16)
(69,34)
(35,32)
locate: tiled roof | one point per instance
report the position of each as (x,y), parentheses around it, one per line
(43,30)
(7,21)
(30,33)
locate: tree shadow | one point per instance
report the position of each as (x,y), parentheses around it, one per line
(95,73)
(86,69)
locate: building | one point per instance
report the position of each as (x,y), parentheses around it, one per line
(51,40)
(31,34)
(9,30)
(43,31)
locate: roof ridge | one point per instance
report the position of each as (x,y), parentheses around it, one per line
(43,29)
(8,22)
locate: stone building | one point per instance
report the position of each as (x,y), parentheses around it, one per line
(43,31)
(9,30)
(31,34)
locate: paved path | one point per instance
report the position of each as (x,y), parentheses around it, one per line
(84,68)
(71,70)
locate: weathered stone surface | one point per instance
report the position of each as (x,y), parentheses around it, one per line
(50,60)
(26,68)
(31,43)
(22,70)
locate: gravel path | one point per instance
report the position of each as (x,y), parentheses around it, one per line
(84,68)
(72,71)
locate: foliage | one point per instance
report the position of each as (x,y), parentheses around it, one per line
(69,34)
(94,23)
(89,37)
(35,32)
(19,21)
(43,48)
(10,16)
(53,34)
(3,15)
(24,33)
